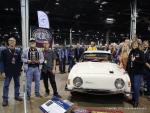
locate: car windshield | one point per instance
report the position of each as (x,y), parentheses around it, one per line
(96,57)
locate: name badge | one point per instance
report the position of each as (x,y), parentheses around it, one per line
(13,61)
(137,56)
(45,61)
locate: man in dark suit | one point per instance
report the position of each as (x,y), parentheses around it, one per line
(63,58)
(12,67)
(78,52)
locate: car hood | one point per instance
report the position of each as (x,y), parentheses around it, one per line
(97,68)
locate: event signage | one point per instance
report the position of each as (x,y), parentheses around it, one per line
(55,105)
(43,20)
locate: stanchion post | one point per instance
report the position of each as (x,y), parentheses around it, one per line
(25,35)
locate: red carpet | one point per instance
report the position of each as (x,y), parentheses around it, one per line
(106,111)
(93,110)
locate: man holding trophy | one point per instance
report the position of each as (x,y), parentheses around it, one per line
(33,58)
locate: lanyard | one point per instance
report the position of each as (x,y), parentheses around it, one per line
(13,60)
(13,53)
(145,51)
(46,52)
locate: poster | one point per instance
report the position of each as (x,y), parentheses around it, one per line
(43,19)
(55,105)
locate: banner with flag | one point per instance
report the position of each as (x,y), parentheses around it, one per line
(43,31)
(43,20)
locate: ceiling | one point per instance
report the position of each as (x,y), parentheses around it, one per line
(83,15)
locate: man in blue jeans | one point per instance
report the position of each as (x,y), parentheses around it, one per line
(62,59)
(71,61)
(12,67)
(33,58)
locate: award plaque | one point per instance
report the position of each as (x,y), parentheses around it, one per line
(33,56)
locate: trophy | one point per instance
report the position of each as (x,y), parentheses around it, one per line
(34,57)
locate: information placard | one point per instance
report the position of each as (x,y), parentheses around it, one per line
(55,105)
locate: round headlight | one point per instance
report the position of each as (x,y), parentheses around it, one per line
(119,83)
(77,81)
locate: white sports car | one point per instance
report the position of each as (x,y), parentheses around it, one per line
(97,74)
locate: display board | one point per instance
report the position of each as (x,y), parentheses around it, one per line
(55,105)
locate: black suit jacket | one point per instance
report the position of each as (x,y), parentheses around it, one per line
(78,54)
(7,57)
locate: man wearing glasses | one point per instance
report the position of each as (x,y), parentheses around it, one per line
(12,68)
(32,58)
(48,69)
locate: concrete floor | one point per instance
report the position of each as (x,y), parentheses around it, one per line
(113,102)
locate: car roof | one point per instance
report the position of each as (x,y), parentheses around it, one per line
(98,51)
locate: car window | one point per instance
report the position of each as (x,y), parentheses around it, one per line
(96,57)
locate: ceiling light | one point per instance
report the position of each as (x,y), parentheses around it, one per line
(15,28)
(100,9)
(104,2)
(77,16)
(110,20)
(79,31)
(6,9)
(57,3)
(100,6)
(97,1)
(11,9)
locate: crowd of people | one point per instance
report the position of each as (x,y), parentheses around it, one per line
(133,56)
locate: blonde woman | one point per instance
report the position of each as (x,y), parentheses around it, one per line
(92,47)
(135,68)
(124,56)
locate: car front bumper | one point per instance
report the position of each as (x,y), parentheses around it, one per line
(97,91)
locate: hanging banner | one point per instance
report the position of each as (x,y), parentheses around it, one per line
(43,20)
(40,35)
